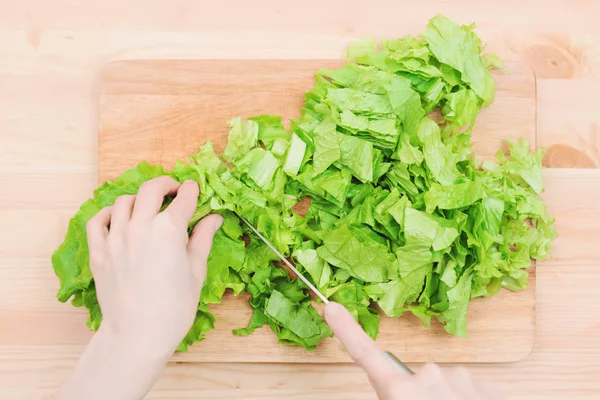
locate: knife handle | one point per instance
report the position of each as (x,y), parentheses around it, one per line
(400,366)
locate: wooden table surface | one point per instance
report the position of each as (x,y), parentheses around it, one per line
(52,51)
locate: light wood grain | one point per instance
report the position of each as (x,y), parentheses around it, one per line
(500,329)
(51,54)
(572,133)
(333,17)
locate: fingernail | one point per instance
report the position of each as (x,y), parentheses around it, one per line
(218,222)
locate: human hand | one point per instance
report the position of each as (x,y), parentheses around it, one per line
(148,278)
(430,382)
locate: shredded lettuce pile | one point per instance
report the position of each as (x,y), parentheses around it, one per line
(401,215)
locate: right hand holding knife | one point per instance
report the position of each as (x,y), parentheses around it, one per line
(429,383)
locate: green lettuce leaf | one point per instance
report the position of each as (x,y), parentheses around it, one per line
(356,253)
(440,160)
(327,146)
(258,320)
(295,156)
(226,257)
(357,156)
(352,296)
(453,196)
(243,136)
(204,322)
(260,166)
(393,295)
(455,316)
(317,268)
(303,322)
(459,47)
(270,130)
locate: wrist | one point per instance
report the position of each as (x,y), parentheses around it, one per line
(116,368)
(134,350)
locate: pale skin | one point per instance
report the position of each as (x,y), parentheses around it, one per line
(148,277)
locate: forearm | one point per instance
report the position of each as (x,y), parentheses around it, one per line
(111,368)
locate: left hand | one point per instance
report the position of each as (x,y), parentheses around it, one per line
(148,278)
(148,275)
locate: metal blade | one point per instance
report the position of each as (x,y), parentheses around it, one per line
(289,264)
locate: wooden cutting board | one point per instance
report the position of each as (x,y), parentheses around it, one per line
(160,111)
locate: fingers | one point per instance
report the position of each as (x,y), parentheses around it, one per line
(200,244)
(430,375)
(183,206)
(150,199)
(460,380)
(97,228)
(361,348)
(430,372)
(487,391)
(151,196)
(121,214)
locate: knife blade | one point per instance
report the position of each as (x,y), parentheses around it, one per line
(400,366)
(289,264)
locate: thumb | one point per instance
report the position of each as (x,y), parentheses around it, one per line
(200,243)
(361,348)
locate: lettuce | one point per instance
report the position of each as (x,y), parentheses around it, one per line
(353,296)
(400,214)
(459,47)
(349,249)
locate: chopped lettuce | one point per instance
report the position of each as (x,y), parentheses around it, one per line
(358,254)
(304,324)
(243,136)
(353,296)
(460,48)
(295,156)
(399,215)
(317,268)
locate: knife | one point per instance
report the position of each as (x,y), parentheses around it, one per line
(289,264)
(400,366)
